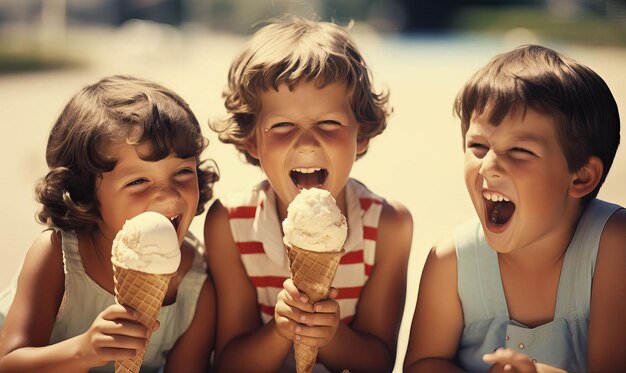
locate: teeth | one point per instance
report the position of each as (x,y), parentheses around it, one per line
(495,197)
(308,170)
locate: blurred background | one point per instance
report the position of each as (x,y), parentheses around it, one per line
(421,51)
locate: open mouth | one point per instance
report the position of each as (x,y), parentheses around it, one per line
(306,178)
(175,220)
(499,209)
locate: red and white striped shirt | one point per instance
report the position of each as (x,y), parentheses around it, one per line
(257,232)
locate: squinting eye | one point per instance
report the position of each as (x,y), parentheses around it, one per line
(281,125)
(477,146)
(136,182)
(479,150)
(185,171)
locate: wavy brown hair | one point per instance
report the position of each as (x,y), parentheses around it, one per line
(112,110)
(286,52)
(536,77)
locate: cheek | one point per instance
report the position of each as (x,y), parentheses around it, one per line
(471,165)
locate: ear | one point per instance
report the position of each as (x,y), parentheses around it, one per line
(251,146)
(361,146)
(585,180)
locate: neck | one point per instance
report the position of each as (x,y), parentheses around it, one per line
(102,246)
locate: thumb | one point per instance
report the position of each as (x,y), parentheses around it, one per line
(332,294)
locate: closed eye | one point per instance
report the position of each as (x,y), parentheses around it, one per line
(329,125)
(522,152)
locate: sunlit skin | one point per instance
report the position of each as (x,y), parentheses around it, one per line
(521,160)
(307,127)
(168,186)
(303,138)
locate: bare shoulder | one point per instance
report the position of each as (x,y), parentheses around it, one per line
(217,235)
(45,252)
(395,230)
(441,261)
(438,318)
(216,218)
(395,214)
(614,234)
(612,248)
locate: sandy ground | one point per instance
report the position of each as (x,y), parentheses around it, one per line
(418,160)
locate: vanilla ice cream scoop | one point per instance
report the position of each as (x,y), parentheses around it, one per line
(314,222)
(147,243)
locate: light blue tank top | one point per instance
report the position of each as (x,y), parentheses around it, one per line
(562,342)
(84,299)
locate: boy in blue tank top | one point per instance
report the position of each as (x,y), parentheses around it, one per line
(536,283)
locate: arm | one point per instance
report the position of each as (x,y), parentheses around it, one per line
(438,319)
(369,344)
(242,342)
(192,351)
(607,325)
(24,341)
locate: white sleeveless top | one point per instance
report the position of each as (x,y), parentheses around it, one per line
(256,230)
(563,341)
(84,299)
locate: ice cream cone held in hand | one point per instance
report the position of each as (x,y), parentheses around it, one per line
(145,256)
(315,232)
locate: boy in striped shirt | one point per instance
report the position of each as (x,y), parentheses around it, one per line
(303,109)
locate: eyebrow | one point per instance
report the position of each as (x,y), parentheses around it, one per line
(527,137)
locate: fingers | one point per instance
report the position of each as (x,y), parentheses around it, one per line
(117,311)
(293,293)
(511,361)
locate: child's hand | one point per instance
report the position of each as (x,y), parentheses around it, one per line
(319,328)
(114,335)
(508,360)
(290,306)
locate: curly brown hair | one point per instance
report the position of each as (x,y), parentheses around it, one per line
(536,77)
(285,52)
(109,111)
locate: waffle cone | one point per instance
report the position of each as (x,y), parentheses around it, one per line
(144,292)
(312,272)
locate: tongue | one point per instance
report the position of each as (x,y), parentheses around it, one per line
(307,181)
(502,212)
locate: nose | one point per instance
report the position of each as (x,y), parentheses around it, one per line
(306,142)
(167,200)
(490,166)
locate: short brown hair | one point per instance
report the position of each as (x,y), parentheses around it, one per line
(108,111)
(285,52)
(536,77)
